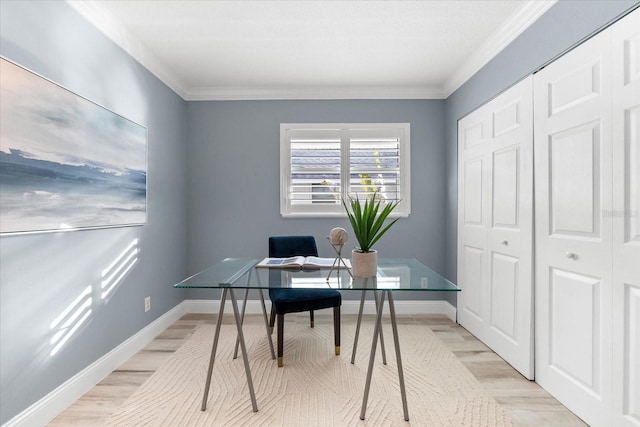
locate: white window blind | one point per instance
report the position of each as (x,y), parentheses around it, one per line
(322,163)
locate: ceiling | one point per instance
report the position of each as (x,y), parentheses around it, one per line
(301,49)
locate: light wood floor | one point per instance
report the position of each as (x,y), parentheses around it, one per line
(526,403)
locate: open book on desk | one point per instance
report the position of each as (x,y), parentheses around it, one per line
(301,262)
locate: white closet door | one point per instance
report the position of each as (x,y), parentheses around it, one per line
(495,225)
(573,193)
(626,220)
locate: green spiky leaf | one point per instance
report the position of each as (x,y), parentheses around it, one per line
(368,220)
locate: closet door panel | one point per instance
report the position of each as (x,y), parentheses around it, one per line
(506,181)
(575,87)
(578,294)
(473,193)
(473,273)
(574,181)
(573,192)
(495,236)
(631,178)
(510,236)
(629,381)
(625,215)
(473,196)
(504,291)
(473,134)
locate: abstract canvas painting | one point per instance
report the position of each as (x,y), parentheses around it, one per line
(66,162)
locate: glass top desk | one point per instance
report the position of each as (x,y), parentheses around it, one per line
(394,275)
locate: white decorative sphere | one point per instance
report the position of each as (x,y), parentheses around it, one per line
(338,236)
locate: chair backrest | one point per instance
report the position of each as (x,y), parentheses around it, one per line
(286,246)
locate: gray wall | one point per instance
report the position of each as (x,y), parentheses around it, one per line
(563,26)
(41,274)
(234,178)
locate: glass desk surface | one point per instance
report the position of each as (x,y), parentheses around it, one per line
(393,274)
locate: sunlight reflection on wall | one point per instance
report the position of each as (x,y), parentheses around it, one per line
(112,276)
(75,314)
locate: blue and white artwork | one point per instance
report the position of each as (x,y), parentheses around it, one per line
(66,162)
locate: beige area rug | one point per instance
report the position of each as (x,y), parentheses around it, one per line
(315,387)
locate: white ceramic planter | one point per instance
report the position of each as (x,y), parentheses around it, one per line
(365,264)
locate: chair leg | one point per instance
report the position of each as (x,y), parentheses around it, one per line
(336,328)
(280,339)
(272,318)
(311,317)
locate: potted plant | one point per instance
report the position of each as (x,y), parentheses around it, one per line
(368,223)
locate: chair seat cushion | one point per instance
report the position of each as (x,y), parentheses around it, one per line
(297,300)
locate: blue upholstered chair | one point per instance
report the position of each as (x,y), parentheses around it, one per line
(287,300)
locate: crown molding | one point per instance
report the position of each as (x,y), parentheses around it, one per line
(311,92)
(505,34)
(104,21)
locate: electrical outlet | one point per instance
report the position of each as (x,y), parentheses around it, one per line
(147,304)
(424,282)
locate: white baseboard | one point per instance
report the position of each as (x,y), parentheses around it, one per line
(47,408)
(348,307)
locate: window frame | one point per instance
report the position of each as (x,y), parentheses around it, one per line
(345,130)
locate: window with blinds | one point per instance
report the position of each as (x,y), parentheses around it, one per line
(323,163)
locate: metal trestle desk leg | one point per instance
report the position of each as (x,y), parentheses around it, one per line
(266,325)
(372,355)
(243,347)
(214,347)
(396,341)
(355,340)
(264,316)
(245,357)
